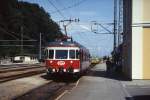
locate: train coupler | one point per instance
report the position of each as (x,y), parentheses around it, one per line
(61,70)
(70,70)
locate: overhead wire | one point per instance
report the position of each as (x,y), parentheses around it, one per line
(84,36)
(61,4)
(57,10)
(71,6)
(89,38)
(24,36)
(12,34)
(2,29)
(92,48)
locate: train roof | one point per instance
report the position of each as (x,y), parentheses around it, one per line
(65,44)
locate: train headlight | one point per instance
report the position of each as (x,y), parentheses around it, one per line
(53,70)
(61,43)
(51,61)
(71,62)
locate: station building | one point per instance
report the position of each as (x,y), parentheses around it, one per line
(136,39)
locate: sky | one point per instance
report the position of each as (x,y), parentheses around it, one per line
(87,11)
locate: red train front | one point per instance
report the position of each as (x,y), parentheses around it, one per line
(66,57)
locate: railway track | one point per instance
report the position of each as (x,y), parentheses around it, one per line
(8,74)
(3,67)
(50,91)
(18,69)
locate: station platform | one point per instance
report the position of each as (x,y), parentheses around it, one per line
(97,85)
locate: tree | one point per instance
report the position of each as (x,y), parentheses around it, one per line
(32,18)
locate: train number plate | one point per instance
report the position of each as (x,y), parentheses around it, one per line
(61,63)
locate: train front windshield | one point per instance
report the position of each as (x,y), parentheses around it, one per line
(61,54)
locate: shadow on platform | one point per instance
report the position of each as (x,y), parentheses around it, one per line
(140,97)
(105,74)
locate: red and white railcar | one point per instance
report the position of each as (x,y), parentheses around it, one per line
(66,57)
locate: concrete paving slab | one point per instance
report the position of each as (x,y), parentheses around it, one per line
(97,88)
(138,89)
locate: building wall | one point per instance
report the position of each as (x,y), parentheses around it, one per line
(138,39)
(146,53)
(146,39)
(146,10)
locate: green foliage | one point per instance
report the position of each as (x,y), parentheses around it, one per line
(31,18)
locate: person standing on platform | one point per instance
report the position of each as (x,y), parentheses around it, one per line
(108,65)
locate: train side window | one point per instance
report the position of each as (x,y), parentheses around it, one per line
(81,55)
(85,57)
(46,54)
(51,54)
(77,54)
(72,54)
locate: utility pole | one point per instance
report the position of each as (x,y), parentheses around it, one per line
(22,40)
(40,46)
(115,22)
(120,22)
(115,31)
(65,28)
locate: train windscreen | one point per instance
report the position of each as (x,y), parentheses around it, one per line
(72,54)
(61,54)
(51,54)
(46,54)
